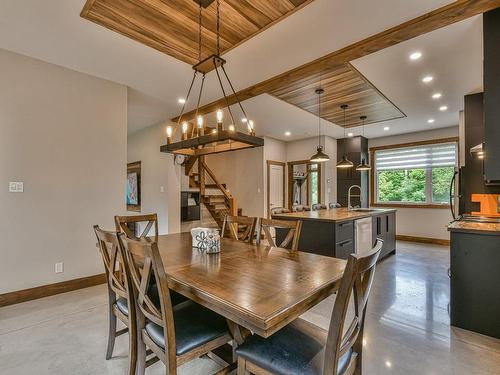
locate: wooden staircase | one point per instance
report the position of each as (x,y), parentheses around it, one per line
(214,195)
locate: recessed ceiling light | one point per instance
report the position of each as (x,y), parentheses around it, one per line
(386,128)
(181,100)
(244,119)
(427,79)
(430,121)
(288,134)
(415,55)
(443,108)
(350,134)
(388,364)
(437,95)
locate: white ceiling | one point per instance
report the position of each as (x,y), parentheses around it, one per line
(54,32)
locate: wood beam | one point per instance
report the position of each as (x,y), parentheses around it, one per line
(441,17)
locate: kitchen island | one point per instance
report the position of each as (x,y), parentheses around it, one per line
(333,232)
(475,276)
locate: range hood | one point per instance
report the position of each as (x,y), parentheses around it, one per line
(491,149)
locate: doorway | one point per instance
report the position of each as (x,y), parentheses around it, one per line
(304,183)
(275,185)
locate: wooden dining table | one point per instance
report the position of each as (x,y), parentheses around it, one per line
(256,288)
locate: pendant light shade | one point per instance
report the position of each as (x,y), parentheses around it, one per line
(363,166)
(344,162)
(319,156)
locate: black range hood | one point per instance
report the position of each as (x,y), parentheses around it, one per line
(491,40)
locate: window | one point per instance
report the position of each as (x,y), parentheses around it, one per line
(415,175)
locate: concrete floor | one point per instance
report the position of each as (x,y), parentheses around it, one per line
(407,328)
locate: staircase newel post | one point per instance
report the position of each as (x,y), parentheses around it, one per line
(233,207)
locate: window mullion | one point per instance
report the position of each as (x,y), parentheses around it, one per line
(428,185)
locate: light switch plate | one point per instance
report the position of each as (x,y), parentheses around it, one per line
(16,187)
(59,267)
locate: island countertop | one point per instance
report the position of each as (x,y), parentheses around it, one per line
(334,214)
(474,227)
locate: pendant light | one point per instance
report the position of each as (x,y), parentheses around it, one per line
(344,162)
(319,156)
(363,166)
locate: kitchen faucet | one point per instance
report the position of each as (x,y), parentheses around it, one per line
(349,207)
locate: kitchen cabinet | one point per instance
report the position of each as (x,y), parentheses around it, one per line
(384,228)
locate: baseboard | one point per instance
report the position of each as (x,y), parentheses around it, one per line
(435,241)
(24,295)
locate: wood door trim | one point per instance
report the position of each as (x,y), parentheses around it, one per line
(280,163)
(29,294)
(436,19)
(402,145)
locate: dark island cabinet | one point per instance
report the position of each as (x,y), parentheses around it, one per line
(384,228)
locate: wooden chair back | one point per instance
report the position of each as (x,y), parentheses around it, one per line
(145,268)
(232,225)
(319,206)
(356,281)
(122,225)
(291,240)
(114,266)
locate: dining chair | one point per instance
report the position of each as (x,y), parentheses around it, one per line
(174,334)
(120,295)
(128,225)
(279,210)
(241,228)
(122,225)
(292,228)
(303,348)
(319,206)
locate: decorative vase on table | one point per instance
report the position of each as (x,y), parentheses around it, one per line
(206,240)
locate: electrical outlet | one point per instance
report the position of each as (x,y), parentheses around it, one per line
(162,189)
(60,267)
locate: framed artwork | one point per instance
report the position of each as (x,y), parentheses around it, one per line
(133,194)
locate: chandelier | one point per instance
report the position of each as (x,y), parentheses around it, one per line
(199,139)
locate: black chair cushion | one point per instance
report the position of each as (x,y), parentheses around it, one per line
(122,305)
(195,325)
(292,350)
(175,297)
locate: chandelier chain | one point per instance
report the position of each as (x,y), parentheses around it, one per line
(218,27)
(200,22)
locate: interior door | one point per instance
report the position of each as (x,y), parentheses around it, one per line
(276,186)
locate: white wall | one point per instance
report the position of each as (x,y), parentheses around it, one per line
(64,135)
(243,173)
(158,172)
(420,222)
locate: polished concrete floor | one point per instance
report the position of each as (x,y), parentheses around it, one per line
(407,328)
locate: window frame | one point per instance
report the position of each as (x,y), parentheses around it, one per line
(428,186)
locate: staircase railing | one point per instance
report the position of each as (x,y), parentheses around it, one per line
(229,199)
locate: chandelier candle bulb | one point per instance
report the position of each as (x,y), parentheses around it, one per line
(199,120)
(169,134)
(251,129)
(231,128)
(184,130)
(220,116)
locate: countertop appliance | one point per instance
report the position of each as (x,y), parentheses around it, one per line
(363,235)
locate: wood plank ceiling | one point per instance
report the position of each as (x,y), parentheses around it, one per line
(171,26)
(343,85)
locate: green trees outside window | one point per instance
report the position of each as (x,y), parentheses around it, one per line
(430,185)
